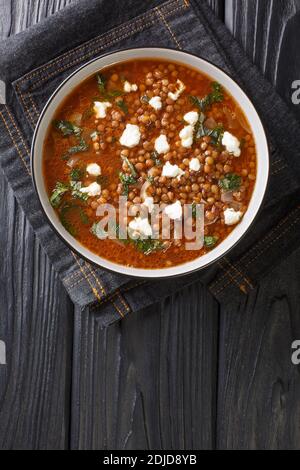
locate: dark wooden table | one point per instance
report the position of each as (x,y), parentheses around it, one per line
(183,374)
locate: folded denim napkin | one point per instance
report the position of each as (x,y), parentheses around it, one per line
(33,63)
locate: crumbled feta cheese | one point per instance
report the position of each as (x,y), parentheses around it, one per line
(128,87)
(174,211)
(180,89)
(172,171)
(93,169)
(140,228)
(186,135)
(232,144)
(100,108)
(94,189)
(156,103)
(232,217)
(131,136)
(161,144)
(194,164)
(191,117)
(149,203)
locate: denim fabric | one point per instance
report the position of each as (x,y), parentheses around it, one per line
(33,63)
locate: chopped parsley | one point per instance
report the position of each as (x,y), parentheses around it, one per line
(102,88)
(210,242)
(75,187)
(130,165)
(201,130)
(67,128)
(76,174)
(123,106)
(126,181)
(155,158)
(57,193)
(215,96)
(230,182)
(148,245)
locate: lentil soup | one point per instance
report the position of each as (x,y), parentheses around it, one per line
(155,132)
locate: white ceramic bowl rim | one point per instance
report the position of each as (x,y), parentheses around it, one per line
(204,66)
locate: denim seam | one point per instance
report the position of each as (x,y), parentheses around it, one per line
(166,24)
(258,251)
(15,141)
(108,299)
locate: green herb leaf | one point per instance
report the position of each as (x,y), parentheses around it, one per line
(210,242)
(230,182)
(101,83)
(123,106)
(75,191)
(155,158)
(67,128)
(102,88)
(201,130)
(83,216)
(81,147)
(57,194)
(130,165)
(126,181)
(76,174)
(148,245)
(215,96)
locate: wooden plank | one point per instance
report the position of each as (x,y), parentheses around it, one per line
(149,381)
(258,405)
(35,314)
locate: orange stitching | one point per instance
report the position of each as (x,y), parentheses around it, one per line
(129,31)
(94,290)
(127,289)
(27,109)
(260,252)
(18,131)
(186,2)
(89,267)
(282,222)
(122,300)
(239,272)
(15,144)
(103,291)
(71,276)
(168,28)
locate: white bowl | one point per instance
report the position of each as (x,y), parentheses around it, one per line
(207,68)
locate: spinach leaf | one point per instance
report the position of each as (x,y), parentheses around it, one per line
(57,194)
(64,220)
(102,88)
(210,242)
(67,128)
(201,130)
(230,182)
(215,96)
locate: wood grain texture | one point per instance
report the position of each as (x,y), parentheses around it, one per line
(258,405)
(35,313)
(148,382)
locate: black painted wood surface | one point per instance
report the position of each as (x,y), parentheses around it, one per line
(180,374)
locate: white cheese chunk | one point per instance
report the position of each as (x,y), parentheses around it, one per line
(232,144)
(194,164)
(191,117)
(180,89)
(131,136)
(149,203)
(186,135)
(232,217)
(128,87)
(172,171)
(139,228)
(174,211)
(156,103)
(93,169)
(94,189)
(161,144)
(100,108)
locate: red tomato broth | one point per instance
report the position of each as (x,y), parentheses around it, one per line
(108,157)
